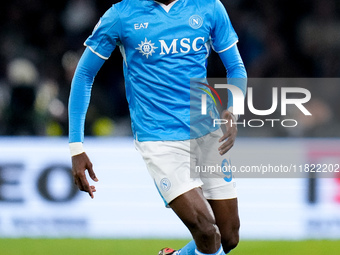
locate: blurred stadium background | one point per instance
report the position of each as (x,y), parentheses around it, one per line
(41,42)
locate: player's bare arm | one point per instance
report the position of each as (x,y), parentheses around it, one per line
(81,163)
(228,139)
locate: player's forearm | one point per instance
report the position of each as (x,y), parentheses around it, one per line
(236,72)
(78,105)
(80,94)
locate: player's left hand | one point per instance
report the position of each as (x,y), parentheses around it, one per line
(229,137)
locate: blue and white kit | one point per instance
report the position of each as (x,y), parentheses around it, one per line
(162,48)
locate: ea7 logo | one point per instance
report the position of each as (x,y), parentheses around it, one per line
(141,25)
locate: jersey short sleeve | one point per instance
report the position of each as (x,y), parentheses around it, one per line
(106,34)
(223,35)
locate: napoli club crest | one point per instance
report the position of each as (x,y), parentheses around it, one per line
(165,184)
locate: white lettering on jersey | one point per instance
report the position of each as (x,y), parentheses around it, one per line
(141,25)
(185,45)
(167,49)
(194,43)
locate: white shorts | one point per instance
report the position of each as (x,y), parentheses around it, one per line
(179,166)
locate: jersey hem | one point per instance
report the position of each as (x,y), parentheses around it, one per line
(168,138)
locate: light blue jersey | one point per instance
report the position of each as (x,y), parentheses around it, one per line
(162,49)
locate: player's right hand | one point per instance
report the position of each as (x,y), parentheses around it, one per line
(81,163)
(228,139)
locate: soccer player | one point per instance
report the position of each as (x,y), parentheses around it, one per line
(164,43)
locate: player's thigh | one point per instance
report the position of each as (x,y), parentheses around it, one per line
(227,220)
